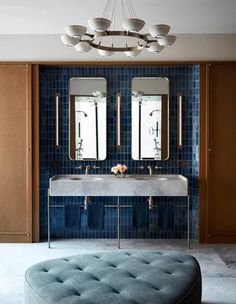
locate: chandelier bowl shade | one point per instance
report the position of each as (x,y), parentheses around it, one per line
(105,53)
(75,30)
(133,53)
(69,41)
(133,24)
(83,47)
(155,47)
(167,40)
(99,24)
(159,30)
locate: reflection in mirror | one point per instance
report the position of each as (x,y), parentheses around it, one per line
(88,118)
(150,118)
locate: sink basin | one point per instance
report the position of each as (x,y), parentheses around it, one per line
(110,185)
(75,178)
(79,178)
(148,177)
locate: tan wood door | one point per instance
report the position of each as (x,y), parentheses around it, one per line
(222,154)
(15,153)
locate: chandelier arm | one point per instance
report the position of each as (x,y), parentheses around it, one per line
(151,41)
(89,35)
(121,33)
(113,49)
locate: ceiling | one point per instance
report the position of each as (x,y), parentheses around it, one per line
(51,16)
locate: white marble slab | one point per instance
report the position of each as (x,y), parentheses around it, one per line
(110,185)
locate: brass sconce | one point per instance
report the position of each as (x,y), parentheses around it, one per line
(118,120)
(179,120)
(57,101)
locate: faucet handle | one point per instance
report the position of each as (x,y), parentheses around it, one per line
(95,167)
(79,167)
(141,167)
(157,167)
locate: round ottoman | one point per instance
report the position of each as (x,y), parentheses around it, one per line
(128,277)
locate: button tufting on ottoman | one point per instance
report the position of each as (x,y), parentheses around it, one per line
(130,277)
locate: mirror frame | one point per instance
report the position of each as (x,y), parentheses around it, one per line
(166,138)
(72,101)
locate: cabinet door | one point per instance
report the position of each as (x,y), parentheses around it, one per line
(222,153)
(15,153)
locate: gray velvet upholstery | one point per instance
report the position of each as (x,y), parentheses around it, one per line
(131,277)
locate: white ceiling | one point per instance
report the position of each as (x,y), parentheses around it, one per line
(50,16)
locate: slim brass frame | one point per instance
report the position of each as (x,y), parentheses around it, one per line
(57,102)
(180,120)
(118,119)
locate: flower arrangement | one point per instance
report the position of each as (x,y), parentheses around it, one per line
(119,170)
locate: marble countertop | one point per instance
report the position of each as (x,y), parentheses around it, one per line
(110,185)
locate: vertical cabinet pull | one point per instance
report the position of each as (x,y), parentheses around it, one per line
(57,100)
(180,121)
(118,119)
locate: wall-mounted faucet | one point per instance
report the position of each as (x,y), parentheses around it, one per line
(87,168)
(150,169)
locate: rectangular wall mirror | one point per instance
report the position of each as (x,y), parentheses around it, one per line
(88,118)
(150,118)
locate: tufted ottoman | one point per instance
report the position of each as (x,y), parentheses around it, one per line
(130,277)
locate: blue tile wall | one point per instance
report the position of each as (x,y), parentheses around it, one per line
(53,161)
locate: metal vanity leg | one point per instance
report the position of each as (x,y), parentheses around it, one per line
(118,222)
(48,219)
(188,236)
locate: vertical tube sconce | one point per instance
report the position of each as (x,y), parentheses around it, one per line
(57,100)
(118,119)
(179,120)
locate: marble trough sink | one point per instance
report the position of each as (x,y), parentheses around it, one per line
(110,185)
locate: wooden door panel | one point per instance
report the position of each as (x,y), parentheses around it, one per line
(222,154)
(13,176)
(13,85)
(15,153)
